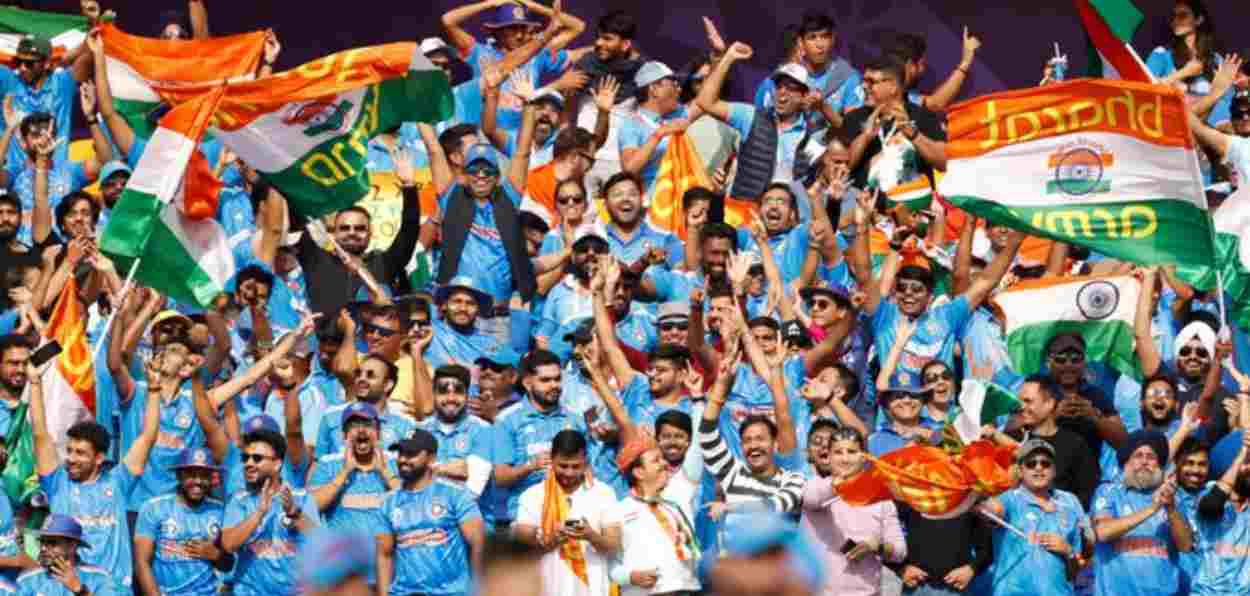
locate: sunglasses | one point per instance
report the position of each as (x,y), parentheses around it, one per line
(1198,351)
(449,387)
(571,200)
(1067,358)
(942,376)
(674,326)
(383,331)
(255,457)
(345,228)
(27,62)
(1038,462)
(821,304)
(421,323)
(911,287)
(585,248)
(482,171)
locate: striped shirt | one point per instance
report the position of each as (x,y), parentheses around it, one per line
(782,492)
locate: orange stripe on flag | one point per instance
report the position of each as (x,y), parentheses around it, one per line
(68,327)
(680,170)
(185,68)
(931,480)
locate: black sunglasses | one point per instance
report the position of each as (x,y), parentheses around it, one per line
(255,457)
(1038,462)
(942,376)
(1068,357)
(383,331)
(672,326)
(567,199)
(1201,352)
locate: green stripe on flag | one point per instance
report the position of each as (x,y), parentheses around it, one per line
(1160,231)
(137,115)
(1236,278)
(130,225)
(45,25)
(1122,17)
(1109,342)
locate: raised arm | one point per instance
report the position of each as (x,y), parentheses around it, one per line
(519,167)
(136,458)
(272,222)
(452,20)
(709,99)
(198,14)
(224,392)
(601,287)
(441,175)
(46,458)
(961,277)
(491,81)
(1144,343)
(569,26)
(100,143)
(1210,138)
(902,334)
(861,256)
(400,251)
(1220,85)
(206,417)
(119,357)
(345,364)
(949,89)
(423,385)
(993,274)
(123,135)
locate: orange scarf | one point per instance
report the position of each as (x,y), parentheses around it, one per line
(681,536)
(556,505)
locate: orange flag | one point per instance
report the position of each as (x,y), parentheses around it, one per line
(680,170)
(69,385)
(931,480)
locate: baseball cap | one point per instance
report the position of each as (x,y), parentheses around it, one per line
(509,15)
(793,332)
(260,423)
(465,283)
(481,152)
(1031,446)
(430,45)
(331,555)
(63,526)
(505,356)
(33,47)
(420,440)
(677,310)
(582,333)
(195,457)
(1065,341)
(586,231)
(651,72)
(835,292)
(114,167)
(550,96)
(793,71)
(358,409)
(765,532)
(168,314)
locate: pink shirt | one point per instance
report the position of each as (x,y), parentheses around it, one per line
(830,521)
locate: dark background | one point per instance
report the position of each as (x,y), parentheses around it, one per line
(1018,35)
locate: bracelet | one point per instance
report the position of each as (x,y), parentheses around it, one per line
(93,120)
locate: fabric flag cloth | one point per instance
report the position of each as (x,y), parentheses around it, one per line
(915,194)
(65,31)
(307,130)
(1109,165)
(20,479)
(1232,257)
(69,385)
(145,73)
(1101,309)
(556,509)
(1109,28)
(187,259)
(980,403)
(680,169)
(935,482)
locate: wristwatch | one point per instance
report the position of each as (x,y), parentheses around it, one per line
(82,590)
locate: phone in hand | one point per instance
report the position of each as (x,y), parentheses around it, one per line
(45,353)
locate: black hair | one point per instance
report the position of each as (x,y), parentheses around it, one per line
(619,177)
(889,65)
(820,424)
(10,198)
(452,139)
(1205,44)
(271,438)
(568,443)
(719,288)
(92,432)
(254,273)
(13,340)
(620,23)
(907,47)
(916,273)
(789,41)
(769,322)
(676,419)
(72,200)
(814,21)
(956,379)
(680,355)
(794,201)
(537,358)
(1056,337)
(754,419)
(849,380)
(530,221)
(1159,376)
(34,119)
(1190,446)
(453,371)
(174,17)
(1046,384)
(570,139)
(694,195)
(392,371)
(718,229)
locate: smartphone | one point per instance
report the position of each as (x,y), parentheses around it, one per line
(848,546)
(45,353)
(571,524)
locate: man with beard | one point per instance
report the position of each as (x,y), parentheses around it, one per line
(631,238)
(464,440)
(176,534)
(548,106)
(384,327)
(265,538)
(84,486)
(430,535)
(14,359)
(457,338)
(659,553)
(569,516)
(1139,528)
(62,570)
(895,140)
(350,485)
(374,379)
(642,138)
(770,137)
(937,327)
(15,254)
(523,432)
(1083,407)
(1043,559)
(611,55)
(1223,518)
(41,176)
(307,378)
(777,223)
(1193,467)
(114,176)
(1076,465)
(1194,366)
(497,378)
(569,303)
(717,241)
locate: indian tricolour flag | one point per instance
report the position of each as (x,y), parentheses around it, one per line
(1109,26)
(187,259)
(1109,165)
(1101,309)
(68,385)
(980,403)
(307,130)
(144,73)
(65,31)
(915,194)
(1232,257)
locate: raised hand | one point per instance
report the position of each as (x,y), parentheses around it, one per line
(523,84)
(693,381)
(403,158)
(86,96)
(1227,72)
(571,80)
(739,51)
(971,45)
(605,93)
(739,265)
(12,115)
(714,40)
(273,47)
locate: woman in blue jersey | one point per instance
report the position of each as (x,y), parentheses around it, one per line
(1189,60)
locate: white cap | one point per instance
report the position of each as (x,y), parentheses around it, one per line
(793,71)
(651,72)
(430,45)
(587,230)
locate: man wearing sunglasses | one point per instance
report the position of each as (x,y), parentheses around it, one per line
(37,85)
(1057,529)
(1076,465)
(497,376)
(1083,407)
(373,381)
(569,302)
(464,441)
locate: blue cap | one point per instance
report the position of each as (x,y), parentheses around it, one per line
(481,152)
(358,409)
(63,526)
(504,356)
(836,292)
(509,15)
(465,283)
(114,167)
(905,384)
(196,457)
(261,422)
(330,556)
(651,72)
(758,533)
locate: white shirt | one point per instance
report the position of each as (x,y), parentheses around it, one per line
(597,505)
(645,545)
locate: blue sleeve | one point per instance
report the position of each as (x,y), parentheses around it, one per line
(552,62)
(676,250)
(309,506)
(468,102)
(630,135)
(764,94)
(8,321)
(741,115)
(382,521)
(520,324)
(66,85)
(78,175)
(1222,112)
(466,507)
(322,473)
(136,152)
(665,282)
(512,193)
(147,522)
(483,446)
(851,95)
(1159,63)
(552,243)
(234,513)
(1103,504)
(504,450)
(325,443)
(8,80)
(635,393)
(474,57)
(509,147)
(548,326)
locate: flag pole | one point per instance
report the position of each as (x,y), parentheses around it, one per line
(1002,522)
(117,306)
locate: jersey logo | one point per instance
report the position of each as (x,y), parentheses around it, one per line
(183,420)
(169,527)
(437,509)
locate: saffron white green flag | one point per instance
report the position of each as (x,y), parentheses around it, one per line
(1109,165)
(1232,257)
(1101,309)
(981,403)
(187,259)
(1109,27)
(915,194)
(307,130)
(146,73)
(64,31)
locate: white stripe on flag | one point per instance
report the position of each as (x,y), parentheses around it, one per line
(205,240)
(62,407)
(167,153)
(126,83)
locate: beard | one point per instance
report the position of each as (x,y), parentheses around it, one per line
(1145,480)
(1242,486)
(411,474)
(7,234)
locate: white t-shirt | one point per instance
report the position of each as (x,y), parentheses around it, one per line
(645,545)
(597,505)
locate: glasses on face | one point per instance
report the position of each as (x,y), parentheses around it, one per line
(571,199)
(910,287)
(255,457)
(346,228)
(1198,351)
(26,62)
(421,323)
(821,304)
(1067,358)
(674,326)
(783,201)
(591,248)
(382,331)
(1038,462)
(939,376)
(1159,392)
(448,387)
(368,374)
(482,171)
(624,194)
